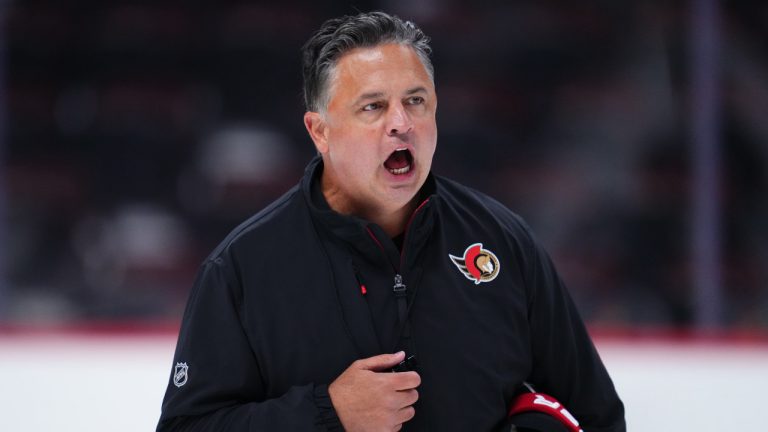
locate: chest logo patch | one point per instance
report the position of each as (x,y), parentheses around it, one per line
(477,264)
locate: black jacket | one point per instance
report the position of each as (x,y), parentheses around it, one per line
(278,312)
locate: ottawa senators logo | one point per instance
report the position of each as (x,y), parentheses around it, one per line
(477,264)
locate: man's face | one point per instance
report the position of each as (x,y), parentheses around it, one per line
(378,134)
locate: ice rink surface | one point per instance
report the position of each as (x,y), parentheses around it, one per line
(104,382)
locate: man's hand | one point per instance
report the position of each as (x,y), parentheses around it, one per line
(367,397)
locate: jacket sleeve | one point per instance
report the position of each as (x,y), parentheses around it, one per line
(565,361)
(215,383)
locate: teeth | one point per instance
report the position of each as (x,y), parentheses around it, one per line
(402,170)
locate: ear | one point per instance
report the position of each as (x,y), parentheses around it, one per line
(317,129)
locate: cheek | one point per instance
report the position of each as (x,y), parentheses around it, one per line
(364,149)
(355,150)
(359,160)
(429,138)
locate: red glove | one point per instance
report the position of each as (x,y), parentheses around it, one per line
(543,403)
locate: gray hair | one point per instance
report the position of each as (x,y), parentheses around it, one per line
(337,36)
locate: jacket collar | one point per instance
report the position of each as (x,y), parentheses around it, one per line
(367,238)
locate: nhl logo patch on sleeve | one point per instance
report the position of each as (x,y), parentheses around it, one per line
(180,374)
(477,264)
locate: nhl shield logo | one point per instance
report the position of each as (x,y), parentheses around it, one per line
(180,375)
(477,264)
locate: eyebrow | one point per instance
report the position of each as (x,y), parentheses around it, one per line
(419,89)
(367,96)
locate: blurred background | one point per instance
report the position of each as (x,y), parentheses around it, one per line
(632,136)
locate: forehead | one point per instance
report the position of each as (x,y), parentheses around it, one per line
(383,68)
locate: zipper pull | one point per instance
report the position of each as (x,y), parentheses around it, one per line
(399,287)
(360,283)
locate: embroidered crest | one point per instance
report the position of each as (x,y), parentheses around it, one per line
(477,264)
(180,375)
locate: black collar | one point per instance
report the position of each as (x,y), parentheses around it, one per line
(367,238)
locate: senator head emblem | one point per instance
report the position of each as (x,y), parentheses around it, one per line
(477,264)
(180,375)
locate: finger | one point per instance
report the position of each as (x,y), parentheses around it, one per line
(408,397)
(405,414)
(380,362)
(405,380)
(404,399)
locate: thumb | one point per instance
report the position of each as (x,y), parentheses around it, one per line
(381,362)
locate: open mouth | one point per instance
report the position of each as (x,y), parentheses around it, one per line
(399,162)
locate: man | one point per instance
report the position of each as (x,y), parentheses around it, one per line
(376,296)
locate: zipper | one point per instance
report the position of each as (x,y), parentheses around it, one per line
(398,288)
(405,237)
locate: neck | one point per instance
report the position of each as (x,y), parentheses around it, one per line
(391,220)
(395,223)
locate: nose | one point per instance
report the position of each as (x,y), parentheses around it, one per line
(398,120)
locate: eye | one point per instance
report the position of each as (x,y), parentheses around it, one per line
(415,100)
(372,106)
